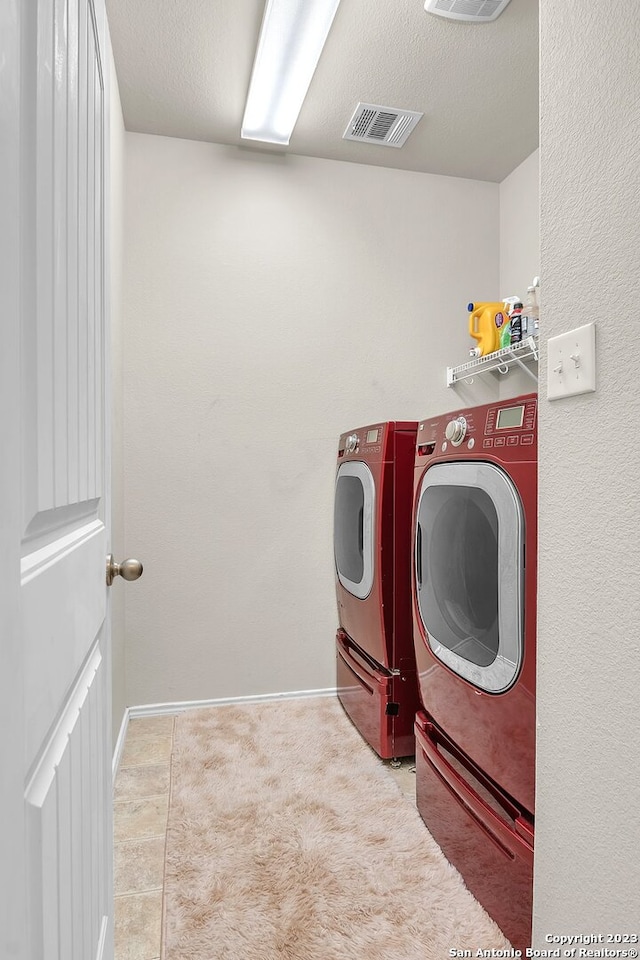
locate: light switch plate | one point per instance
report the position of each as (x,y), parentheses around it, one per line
(571,363)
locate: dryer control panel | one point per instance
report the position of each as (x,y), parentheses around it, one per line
(507,430)
(511,425)
(365,441)
(377,441)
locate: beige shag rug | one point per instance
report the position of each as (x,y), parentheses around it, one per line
(289,840)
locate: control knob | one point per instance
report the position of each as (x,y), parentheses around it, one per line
(456,431)
(352,442)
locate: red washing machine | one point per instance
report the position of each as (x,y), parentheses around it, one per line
(376,669)
(474,630)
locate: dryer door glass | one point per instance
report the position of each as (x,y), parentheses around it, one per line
(460,590)
(348,530)
(469,571)
(353,535)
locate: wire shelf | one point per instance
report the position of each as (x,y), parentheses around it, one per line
(500,360)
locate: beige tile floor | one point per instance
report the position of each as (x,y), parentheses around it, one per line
(405,777)
(141,804)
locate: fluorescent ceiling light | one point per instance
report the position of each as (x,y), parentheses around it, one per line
(292,36)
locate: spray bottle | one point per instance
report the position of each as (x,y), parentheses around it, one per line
(531,313)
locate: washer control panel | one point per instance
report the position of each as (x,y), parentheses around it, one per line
(504,428)
(456,430)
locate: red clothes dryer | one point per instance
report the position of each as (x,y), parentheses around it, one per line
(376,671)
(474,629)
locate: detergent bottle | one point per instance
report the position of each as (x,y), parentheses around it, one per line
(505,333)
(485,321)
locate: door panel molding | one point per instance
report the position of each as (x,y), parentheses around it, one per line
(64,333)
(61,520)
(66,803)
(55,644)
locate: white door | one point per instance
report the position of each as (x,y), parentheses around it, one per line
(55,861)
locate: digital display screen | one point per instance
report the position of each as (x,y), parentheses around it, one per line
(511,417)
(372,436)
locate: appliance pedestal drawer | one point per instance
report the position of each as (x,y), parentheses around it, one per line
(371,699)
(479,829)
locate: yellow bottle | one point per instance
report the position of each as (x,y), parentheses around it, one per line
(485,324)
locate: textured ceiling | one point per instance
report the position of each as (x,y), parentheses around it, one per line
(184,68)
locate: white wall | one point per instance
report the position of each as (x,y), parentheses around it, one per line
(271,303)
(520,228)
(587,873)
(519,250)
(117,141)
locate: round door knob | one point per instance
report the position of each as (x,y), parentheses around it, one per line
(456,430)
(128,569)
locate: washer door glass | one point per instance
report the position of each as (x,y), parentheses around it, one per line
(469,571)
(353,527)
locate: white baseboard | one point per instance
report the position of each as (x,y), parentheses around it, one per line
(117,751)
(159,709)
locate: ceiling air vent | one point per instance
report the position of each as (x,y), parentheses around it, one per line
(473,11)
(387,126)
